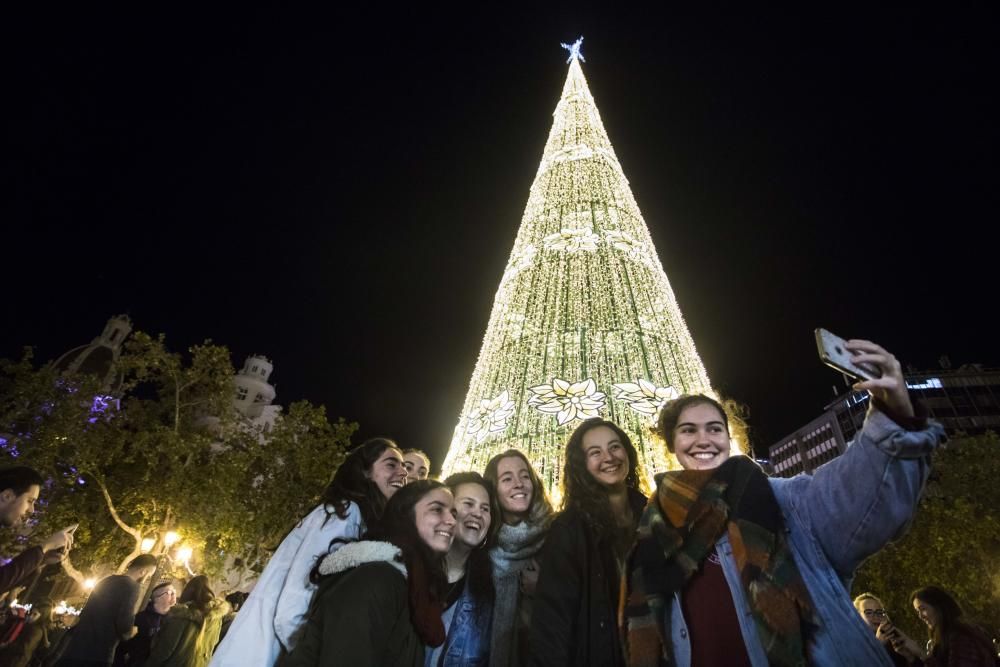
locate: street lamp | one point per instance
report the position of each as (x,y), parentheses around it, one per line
(171,538)
(147,544)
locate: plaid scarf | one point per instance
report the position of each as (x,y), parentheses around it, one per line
(679,529)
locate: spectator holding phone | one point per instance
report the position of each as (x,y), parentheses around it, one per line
(737,568)
(873,613)
(19,489)
(953,641)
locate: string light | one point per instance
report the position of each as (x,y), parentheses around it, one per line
(584,322)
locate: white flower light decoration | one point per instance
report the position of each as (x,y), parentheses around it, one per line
(643,396)
(572,240)
(622,241)
(491,416)
(519,261)
(566,401)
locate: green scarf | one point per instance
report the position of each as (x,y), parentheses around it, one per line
(679,529)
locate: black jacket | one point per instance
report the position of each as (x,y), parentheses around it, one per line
(574,620)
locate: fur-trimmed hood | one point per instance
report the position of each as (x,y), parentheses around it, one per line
(353,554)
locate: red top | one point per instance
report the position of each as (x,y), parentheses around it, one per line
(714,629)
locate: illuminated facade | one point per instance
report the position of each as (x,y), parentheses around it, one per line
(584,322)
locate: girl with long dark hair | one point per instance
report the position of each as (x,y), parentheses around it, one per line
(953,641)
(574,621)
(380,599)
(270,620)
(190,631)
(526,513)
(468,613)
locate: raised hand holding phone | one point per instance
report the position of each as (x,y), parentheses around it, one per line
(877,370)
(60,542)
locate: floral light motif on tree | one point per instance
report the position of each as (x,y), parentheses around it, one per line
(572,240)
(579,400)
(491,416)
(643,396)
(628,245)
(519,261)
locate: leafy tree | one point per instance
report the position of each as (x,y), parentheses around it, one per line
(171,454)
(954,541)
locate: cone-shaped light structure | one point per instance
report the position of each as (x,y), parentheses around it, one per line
(584,323)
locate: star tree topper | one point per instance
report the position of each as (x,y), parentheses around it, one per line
(574,50)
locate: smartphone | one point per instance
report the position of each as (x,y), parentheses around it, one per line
(833,351)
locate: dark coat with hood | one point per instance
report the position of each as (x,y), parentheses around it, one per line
(575,619)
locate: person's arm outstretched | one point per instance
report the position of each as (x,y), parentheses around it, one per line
(861,500)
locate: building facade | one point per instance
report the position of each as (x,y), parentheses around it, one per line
(965,400)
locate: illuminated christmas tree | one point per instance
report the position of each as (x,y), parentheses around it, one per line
(584,323)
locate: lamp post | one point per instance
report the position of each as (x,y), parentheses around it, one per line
(160,547)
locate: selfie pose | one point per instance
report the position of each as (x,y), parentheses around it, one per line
(733,567)
(468,602)
(527,513)
(380,600)
(575,618)
(271,618)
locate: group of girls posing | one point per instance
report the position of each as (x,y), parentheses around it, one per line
(721,566)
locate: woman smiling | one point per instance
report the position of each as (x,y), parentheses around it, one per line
(576,605)
(526,515)
(380,599)
(468,603)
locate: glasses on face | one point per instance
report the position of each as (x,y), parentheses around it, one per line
(875,612)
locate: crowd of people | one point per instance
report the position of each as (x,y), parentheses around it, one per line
(718,565)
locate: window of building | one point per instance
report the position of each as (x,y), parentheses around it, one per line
(241,393)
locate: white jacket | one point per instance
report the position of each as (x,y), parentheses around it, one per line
(273,614)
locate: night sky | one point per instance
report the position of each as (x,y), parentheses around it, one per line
(341,191)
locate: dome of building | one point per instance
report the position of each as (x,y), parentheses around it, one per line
(99,357)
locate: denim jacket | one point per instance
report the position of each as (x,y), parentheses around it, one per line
(468,640)
(846,511)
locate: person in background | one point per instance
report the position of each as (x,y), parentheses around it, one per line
(19,490)
(575,618)
(147,622)
(272,617)
(872,612)
(33,638)
(737,568)
(417,463)
(380,599)
(190,632)
(468,614)
(235,600)
(953,641)
(526,513)
(108,617)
